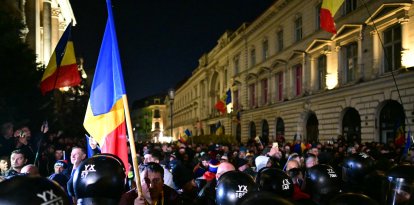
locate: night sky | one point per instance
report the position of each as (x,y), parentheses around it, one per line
(160,41)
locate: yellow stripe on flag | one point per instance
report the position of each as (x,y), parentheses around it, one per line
(102,125)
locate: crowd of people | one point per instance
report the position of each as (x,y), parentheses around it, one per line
(179,173)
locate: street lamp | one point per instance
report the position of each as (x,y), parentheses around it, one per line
(171,95)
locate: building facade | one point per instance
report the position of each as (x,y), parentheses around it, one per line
(44,23)
(290,78)
(149,118)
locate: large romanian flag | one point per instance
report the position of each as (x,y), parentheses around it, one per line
(105,115)
(328,11)
(62,70)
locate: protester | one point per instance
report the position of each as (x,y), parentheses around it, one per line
(154,191)
(17,160)
(4,165)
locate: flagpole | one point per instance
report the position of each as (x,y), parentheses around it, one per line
(132,146)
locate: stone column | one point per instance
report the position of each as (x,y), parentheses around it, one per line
(54,34)
(47,29)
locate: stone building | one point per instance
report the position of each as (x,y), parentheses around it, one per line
(288,77)
(149,119)
(44,23)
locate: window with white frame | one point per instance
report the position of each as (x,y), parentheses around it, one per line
(236,64)
(348,6)
(317,16)
(252,57)
(236,100)
(392,48)
(351,61)
(265,91)
(321,69)
(252,95)
(297,72)
(265,47)
(279,86)
(298,28)
(279,37)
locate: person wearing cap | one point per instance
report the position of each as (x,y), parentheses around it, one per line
(60,166)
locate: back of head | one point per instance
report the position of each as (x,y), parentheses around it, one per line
(31,190)
(232,186)
(263,197)
(275,181)
(356,166)
(261,161)
(99,180)
(322,181)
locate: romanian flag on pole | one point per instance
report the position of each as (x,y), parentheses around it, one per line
(105,115)
(327,13)
(62,70)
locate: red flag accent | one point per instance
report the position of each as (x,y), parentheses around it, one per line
(221,106)
(327,12)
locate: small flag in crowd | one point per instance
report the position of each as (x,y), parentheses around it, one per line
(187,132)
(399,135)
(327,13)
(62,70)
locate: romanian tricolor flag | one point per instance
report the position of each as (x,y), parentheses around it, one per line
(399,135)
(62,70)
(105,115)
(328,11)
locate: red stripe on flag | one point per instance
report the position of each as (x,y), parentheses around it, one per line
(114,142)
(327,21)
(68,76)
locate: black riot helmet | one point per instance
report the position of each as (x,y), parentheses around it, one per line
(99,180)
(356,166)
(276,181)
(262,197)
(352,199)
(232,186)
(322,182)
(19,190)
(399,186)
